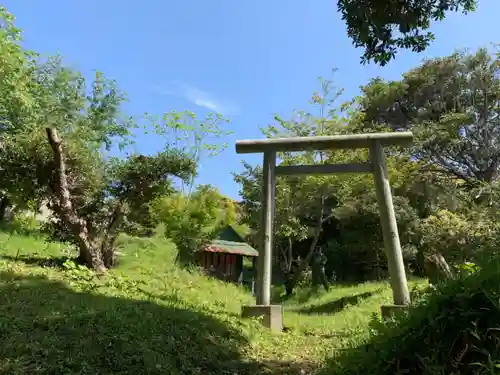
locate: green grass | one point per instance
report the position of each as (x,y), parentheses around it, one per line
(150,317)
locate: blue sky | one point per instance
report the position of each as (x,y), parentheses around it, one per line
(248,60)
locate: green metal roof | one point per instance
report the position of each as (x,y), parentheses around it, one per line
(231,247)
(230,241)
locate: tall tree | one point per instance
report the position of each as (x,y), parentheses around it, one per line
(17,105)
(452,104)
(87,118)
(129,183)
(194,222)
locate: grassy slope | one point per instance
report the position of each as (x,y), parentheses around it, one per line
(150,317)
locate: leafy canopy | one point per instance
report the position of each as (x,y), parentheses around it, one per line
(451,105)
(383,27)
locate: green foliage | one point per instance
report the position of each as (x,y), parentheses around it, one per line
(22,224)
(467,268)
(357,253)
(449,103)
(453,330)
(139,180)
(16,105)
(381,28)
(460,238)
(191,221)
(196,137)
(85,122)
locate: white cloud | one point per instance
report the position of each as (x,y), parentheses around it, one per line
(200,98)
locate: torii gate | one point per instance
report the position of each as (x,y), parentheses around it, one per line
(375,143)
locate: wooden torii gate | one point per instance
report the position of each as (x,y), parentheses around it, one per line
(375,143)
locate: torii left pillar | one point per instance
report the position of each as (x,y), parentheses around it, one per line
(272,315)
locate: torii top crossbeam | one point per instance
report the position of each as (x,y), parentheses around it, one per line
(352,141)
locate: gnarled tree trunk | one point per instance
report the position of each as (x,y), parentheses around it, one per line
(90,253)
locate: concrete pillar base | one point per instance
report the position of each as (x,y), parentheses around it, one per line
(388,311)
(272,315)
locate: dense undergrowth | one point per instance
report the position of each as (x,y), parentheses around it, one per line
(454,330)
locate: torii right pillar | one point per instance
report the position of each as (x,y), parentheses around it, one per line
(390,233)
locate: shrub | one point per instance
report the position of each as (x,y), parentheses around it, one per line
(455,330)
(460,238)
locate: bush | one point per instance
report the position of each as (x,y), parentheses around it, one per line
(460,238)
(455,330)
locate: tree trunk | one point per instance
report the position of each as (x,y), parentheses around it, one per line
(437,269)
(289,285)
(305,262)
(420,264)
(108,244)
(90,254)
(4,205)
(491,173)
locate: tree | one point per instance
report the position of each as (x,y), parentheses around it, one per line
(17,105)
(383,27)
(451,104)
(197,137)
(357,252)
(59,98)
(192,220)
(133,182)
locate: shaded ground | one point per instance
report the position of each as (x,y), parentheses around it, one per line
(46,328)
(335,306)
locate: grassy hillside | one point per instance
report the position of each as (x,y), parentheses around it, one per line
(150,317)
